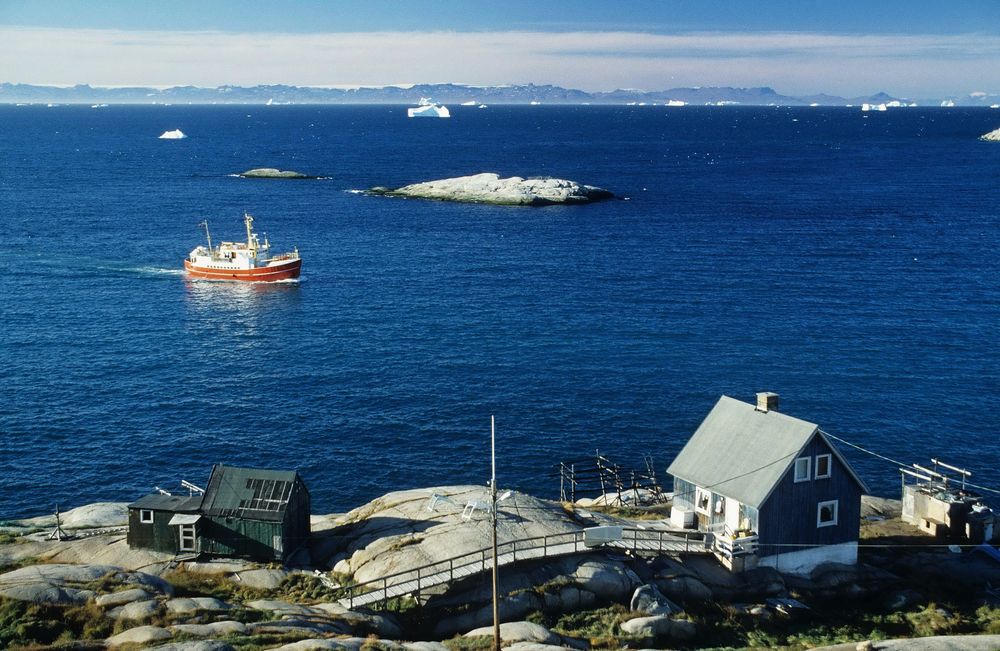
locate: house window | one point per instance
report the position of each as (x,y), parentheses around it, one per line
(802,469)
(826,514)
(145,516)
(823,466)
(702,500)
(187,538)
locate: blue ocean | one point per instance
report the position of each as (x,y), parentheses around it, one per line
(845,260)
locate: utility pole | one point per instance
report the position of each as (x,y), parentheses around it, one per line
(493,516)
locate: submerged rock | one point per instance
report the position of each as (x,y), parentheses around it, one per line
(272,173)
(490,188)
(993,136)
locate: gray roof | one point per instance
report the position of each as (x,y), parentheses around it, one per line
(743,453)
(253,493)
(172,503)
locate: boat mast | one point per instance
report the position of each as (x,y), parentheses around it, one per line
(251,244)
(204,224)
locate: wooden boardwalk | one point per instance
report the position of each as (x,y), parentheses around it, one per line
(413,582)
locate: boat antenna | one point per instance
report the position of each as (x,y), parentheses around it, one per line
(204,224)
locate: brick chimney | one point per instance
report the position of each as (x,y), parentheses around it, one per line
(767,401)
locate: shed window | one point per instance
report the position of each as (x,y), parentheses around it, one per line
(145,516)
(822,466)
(826,514)
(703,500)
(802,469)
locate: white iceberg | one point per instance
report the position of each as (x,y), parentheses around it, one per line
(675,102)
(948,103)
(428,110)
(471,102)
(176,134)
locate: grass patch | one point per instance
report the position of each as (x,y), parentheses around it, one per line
(191,584)
(474,643)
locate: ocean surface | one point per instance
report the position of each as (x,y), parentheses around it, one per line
(846,260)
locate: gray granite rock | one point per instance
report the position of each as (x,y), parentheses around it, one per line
(194,645)
(213,629)
(265,579)
(339,644)
(661,627)
(280,607)
(45,593)
(519,632)
(121,598)
(607,580)
(272,173)
(649,600)
(490,188)
(685,589)
(299,626)
(187,605)
(136,610)
(139,635)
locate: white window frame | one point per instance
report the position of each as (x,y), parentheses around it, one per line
(146,516)
(795,472)
(702,494)
(186,532)
(829,466)
(834,506)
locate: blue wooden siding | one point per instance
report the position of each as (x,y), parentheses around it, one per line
(788,517)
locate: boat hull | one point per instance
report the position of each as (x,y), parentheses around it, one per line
(282,271)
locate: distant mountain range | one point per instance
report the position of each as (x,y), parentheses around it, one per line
(447,94)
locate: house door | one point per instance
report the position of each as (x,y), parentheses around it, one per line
(188,538)
(732,514)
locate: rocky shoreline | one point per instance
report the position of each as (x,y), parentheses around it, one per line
(92,591)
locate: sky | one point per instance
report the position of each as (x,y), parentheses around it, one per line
(914,49)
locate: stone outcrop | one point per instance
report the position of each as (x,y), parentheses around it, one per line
(519,632)
(272,173)
(660,627)
(60,583)
(139,635)
(490,188)
(992,136)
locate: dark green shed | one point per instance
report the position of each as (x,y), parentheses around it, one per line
(245,512)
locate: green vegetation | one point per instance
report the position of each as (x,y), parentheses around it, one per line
(24,625)
(474,643)
(192,584)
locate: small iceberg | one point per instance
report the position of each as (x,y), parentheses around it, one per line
(471,102)
(675,102)
(428,109)
(948,103)
(176,134)
(482,106)
(874,107)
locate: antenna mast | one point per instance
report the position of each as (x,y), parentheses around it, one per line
(208,236)
(493,513)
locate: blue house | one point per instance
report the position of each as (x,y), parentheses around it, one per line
(772,490)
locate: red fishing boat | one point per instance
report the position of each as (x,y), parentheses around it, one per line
(246,261)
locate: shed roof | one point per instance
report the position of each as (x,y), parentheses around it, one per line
(742,453)
(254,493)
(172,503)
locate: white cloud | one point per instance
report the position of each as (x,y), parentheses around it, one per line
(793,62)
